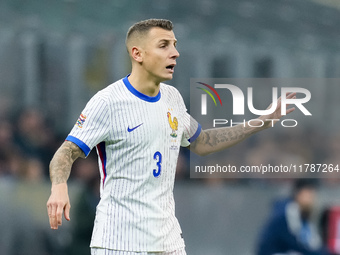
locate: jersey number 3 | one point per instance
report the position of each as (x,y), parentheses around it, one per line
(157,156)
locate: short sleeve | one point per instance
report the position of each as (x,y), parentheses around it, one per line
(191,128)
(92,126)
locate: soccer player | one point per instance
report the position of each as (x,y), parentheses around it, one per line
(137,125)
(289,229)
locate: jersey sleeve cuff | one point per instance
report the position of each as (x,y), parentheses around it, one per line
(80,144)
(197,133)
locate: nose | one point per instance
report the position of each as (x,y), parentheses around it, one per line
(174,53)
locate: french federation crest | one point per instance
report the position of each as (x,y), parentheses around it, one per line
(173,125)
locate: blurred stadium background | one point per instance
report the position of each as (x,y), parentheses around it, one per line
(54,55)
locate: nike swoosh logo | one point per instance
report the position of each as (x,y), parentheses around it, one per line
(131,129)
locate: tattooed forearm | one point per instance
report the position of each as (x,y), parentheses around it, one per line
(61,163)
(217,139)
(223,135)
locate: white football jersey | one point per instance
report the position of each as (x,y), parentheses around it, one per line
(137,138)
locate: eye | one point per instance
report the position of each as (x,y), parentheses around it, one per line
(163,46)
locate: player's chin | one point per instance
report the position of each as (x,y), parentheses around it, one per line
(165,76)
(168,76)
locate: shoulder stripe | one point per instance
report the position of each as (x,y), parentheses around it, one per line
(102,155)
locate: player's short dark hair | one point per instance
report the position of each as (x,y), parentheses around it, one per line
(301,184)
(142,27)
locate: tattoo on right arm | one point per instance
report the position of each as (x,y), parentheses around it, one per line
(217,139)
(61,163)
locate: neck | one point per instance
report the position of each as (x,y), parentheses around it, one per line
(144,84)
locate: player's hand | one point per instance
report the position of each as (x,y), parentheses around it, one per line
(276,115)
(58,203)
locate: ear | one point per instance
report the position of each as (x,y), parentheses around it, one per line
(136,54)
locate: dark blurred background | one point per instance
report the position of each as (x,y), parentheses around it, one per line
(55,55)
